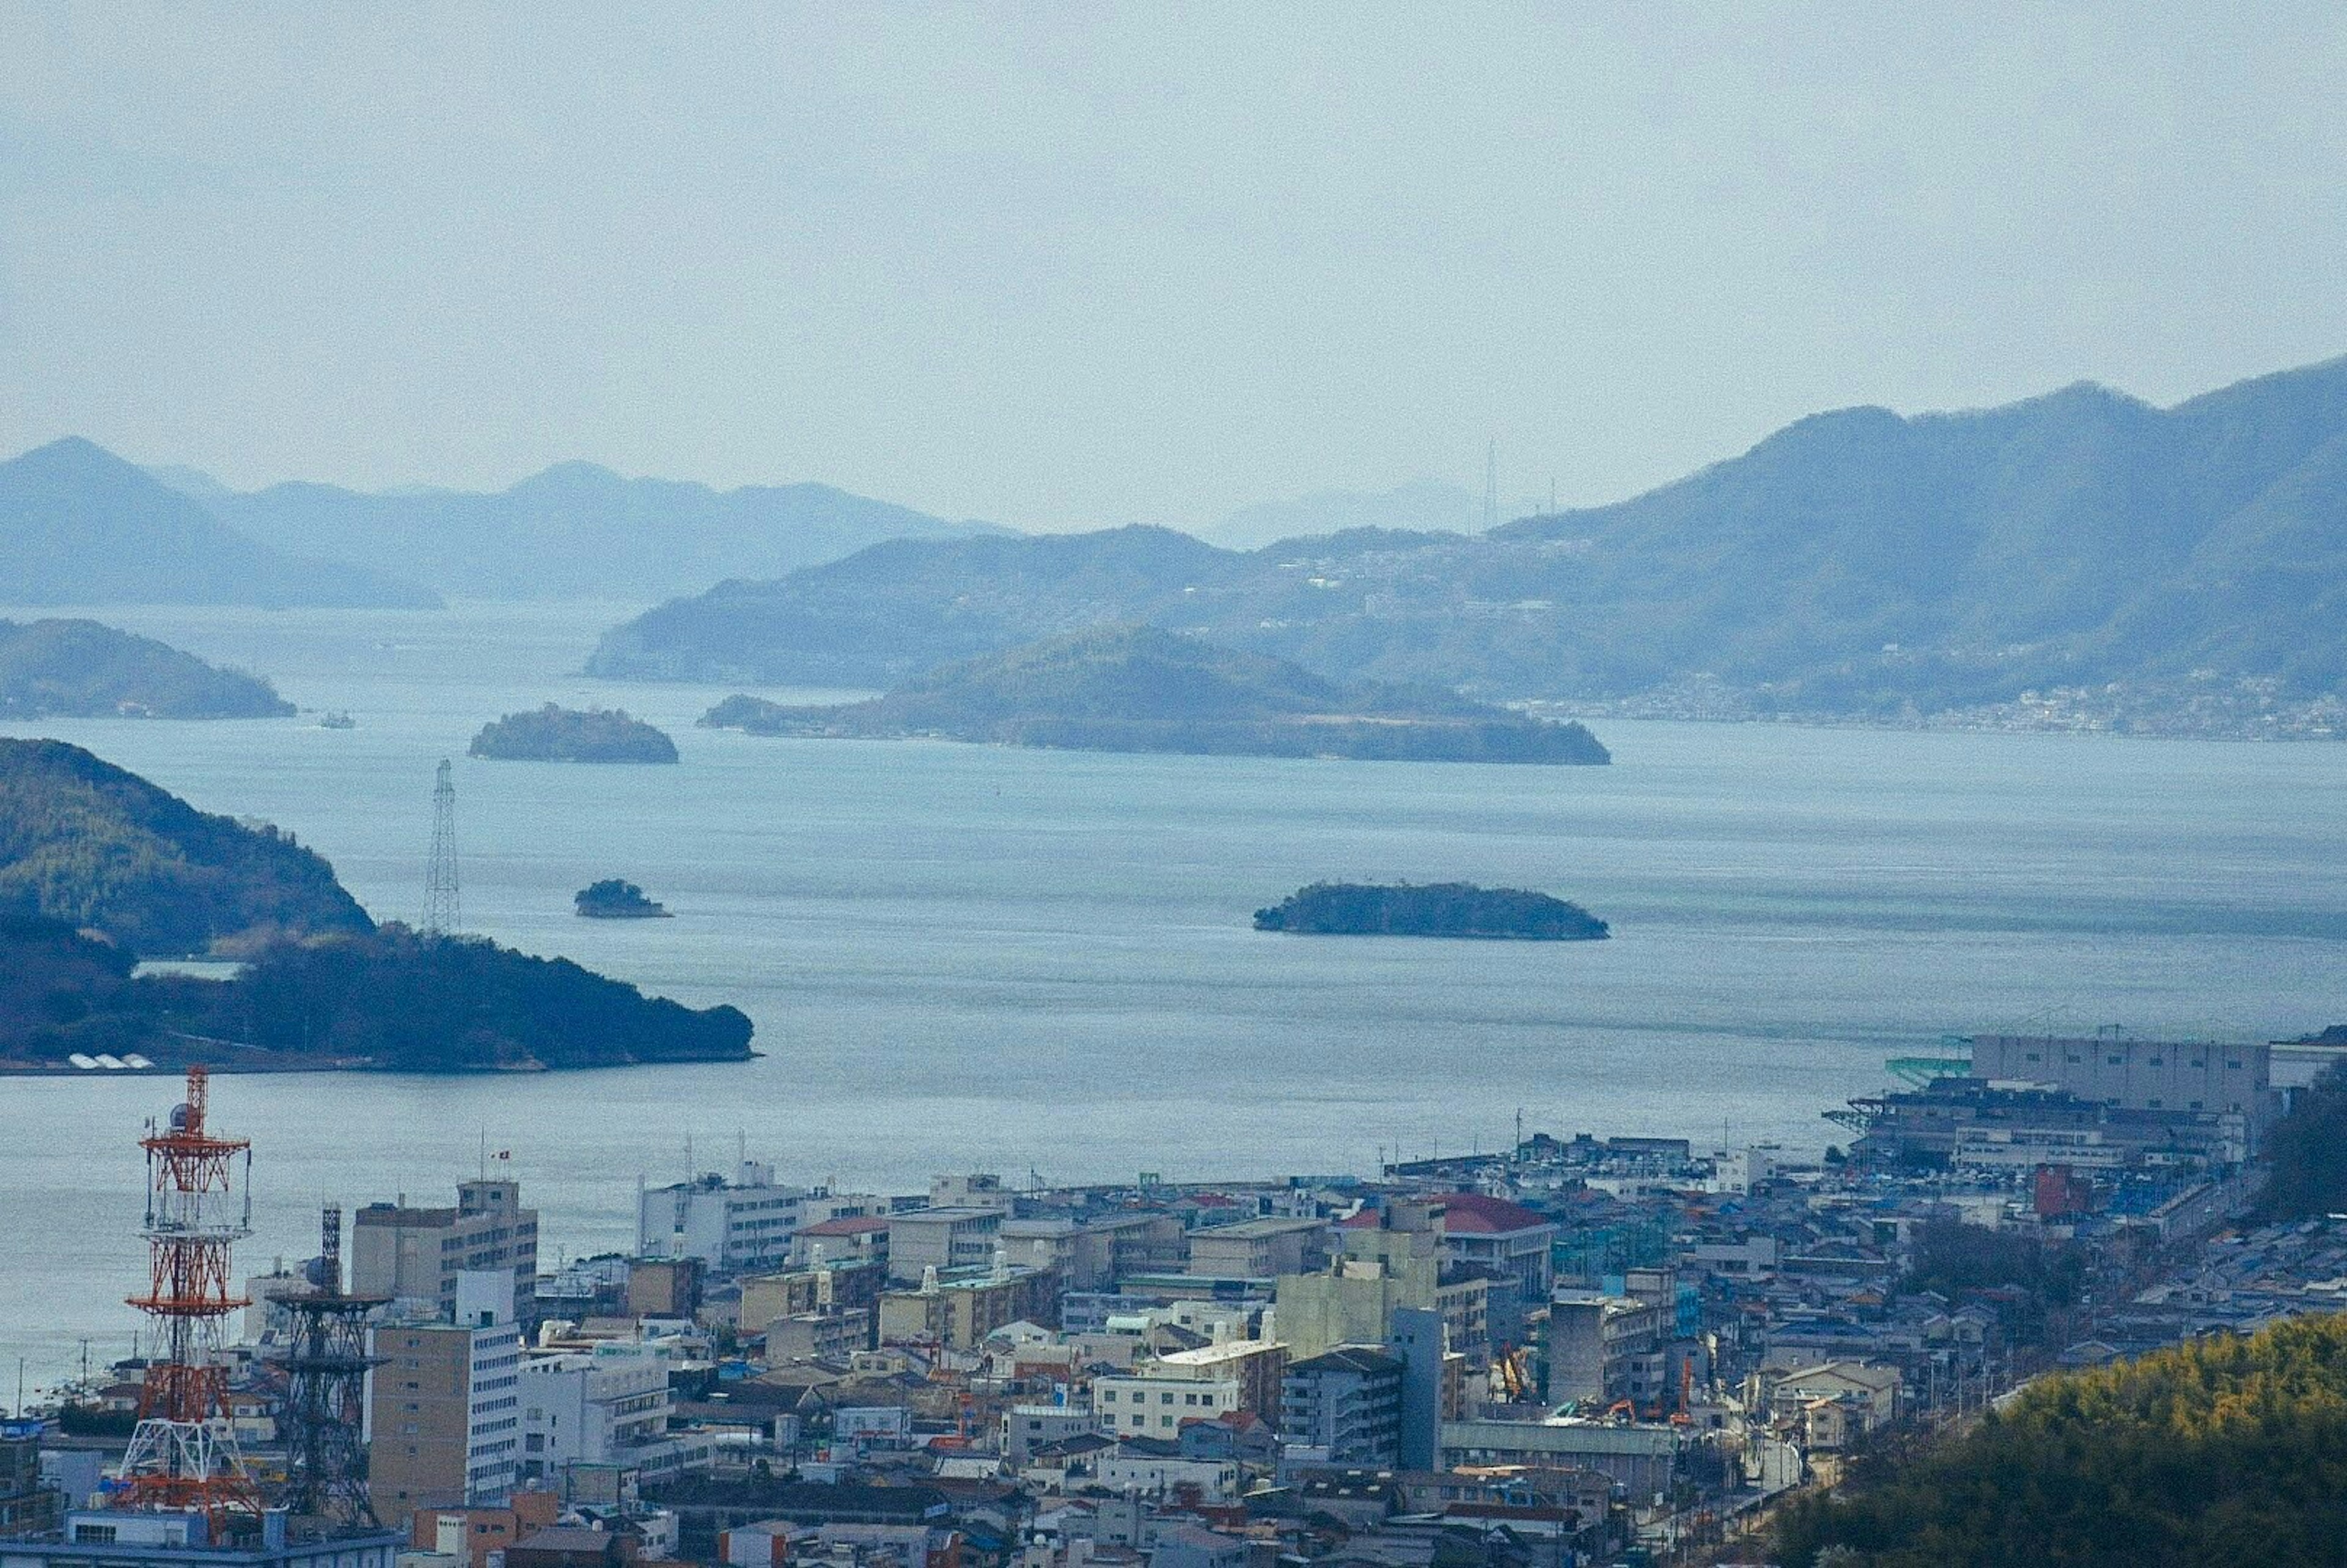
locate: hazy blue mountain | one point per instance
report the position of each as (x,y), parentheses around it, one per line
(579,532)
(1426,504)
(80,526)
(1854,562)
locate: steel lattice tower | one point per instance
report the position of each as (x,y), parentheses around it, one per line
(442,913)
(183,1454)
(326,1395)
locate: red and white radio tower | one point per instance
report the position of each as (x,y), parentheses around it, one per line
(183,1455)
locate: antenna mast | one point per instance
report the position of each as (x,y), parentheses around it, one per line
(183,1453)
(326,1395)
(442,916)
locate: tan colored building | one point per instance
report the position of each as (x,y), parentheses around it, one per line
(443,1417)
(415,1255)
(961,1313)
(1257,1249)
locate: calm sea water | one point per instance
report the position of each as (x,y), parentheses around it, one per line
(961,957)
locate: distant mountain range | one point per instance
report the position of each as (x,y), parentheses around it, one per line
(1855,563)
(80,526)
(577,531)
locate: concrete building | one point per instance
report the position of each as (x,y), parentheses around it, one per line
(842,1287)
(415,1255)
(471,1534)
(609,1409)
(849,1238)
(1644,1458)
(1258,1249)
(1504,1237)
(444,1408)
(1604,1349)
(1153,1403)
(1342,1408)
(746,1223)
(2138,1074)
(1254,1365)
(959,1314)
(106,1538)
(1421,1344)
(1092,1255)
(944,1239)
(818,1335)
(1025,1428)
(28,1505)
(1395,1263)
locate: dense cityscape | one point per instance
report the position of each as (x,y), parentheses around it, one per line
(1582,1349)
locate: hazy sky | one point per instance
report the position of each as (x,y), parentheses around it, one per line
(1068,266)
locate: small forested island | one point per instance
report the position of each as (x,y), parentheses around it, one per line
(554,734)
(82,669)
(1140,689)
(612,899)
(1432,909)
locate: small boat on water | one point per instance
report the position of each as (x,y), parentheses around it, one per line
(338,720)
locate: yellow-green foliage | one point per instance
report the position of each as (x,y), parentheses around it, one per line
(2226,1451)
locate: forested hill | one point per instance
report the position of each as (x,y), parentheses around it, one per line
(80,526)
(81,668)
(1854,563)
(2218,1450)
(86,842)
(1139,689)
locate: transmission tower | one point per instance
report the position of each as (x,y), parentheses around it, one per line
(1492,487)
(183,1455)
(325,1398)
(441,913)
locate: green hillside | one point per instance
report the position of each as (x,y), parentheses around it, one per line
(84,842)
(80,668)
(1138,689)
(2221,1450)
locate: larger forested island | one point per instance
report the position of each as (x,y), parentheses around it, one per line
(1138,689)
(553,734)
(2079,558)
(98,867)
(1430,910)
(80,669)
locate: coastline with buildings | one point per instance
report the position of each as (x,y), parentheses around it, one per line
(1584,1347)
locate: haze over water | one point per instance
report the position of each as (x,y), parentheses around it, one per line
(964,957)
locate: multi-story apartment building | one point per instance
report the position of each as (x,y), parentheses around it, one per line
(1257,1249)
(414,1256)
(1342,1408)
(944,1239)
(746,1223)
(444,1406)
(1155,1403)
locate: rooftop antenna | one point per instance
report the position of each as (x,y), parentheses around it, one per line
(1492,487)
(441,914)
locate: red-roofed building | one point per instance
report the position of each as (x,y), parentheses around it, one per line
(850,1238)
(1492,1232)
